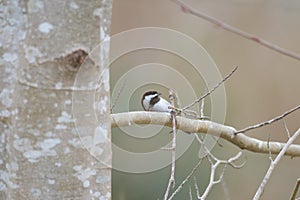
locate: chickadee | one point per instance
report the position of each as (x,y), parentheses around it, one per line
(151,101)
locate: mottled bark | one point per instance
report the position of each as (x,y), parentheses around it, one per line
(54,100)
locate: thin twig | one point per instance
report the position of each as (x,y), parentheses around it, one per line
(188,9)
(171,182)
(178,102)
(186,179)
(210,91)
(225,190)
(214,167)
(190,192)
(268,122)
(202,108)
(222,175)
(286,128)
(202,116)
(196,187)
(166,148)
(190,113)
(214,164)
(295,191)
(268,145)
(118,96)
(273,164)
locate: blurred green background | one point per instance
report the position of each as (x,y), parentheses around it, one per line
(265,85)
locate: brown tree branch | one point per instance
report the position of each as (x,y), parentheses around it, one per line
(188,9)
(199,126)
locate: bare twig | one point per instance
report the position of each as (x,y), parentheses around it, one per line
(118,96)
(200,126)
(188,9)
(295,191)
(286,128)
(202,116)
(186,179)
(221,176)
(268,122)
(202,108)
(273,164)
(270,153)
(190,193)
(178,102)
(225,189)
(187,113)
(214,167)
(196,187)
(171,182)
(213,157)
(214,164)
(210,91)
(166,148)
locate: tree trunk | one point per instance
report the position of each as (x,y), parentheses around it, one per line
(54,100)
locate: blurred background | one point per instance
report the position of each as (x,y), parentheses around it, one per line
(265,85)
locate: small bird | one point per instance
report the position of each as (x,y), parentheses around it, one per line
(151,101)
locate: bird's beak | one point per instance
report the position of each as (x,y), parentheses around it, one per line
(159,93)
